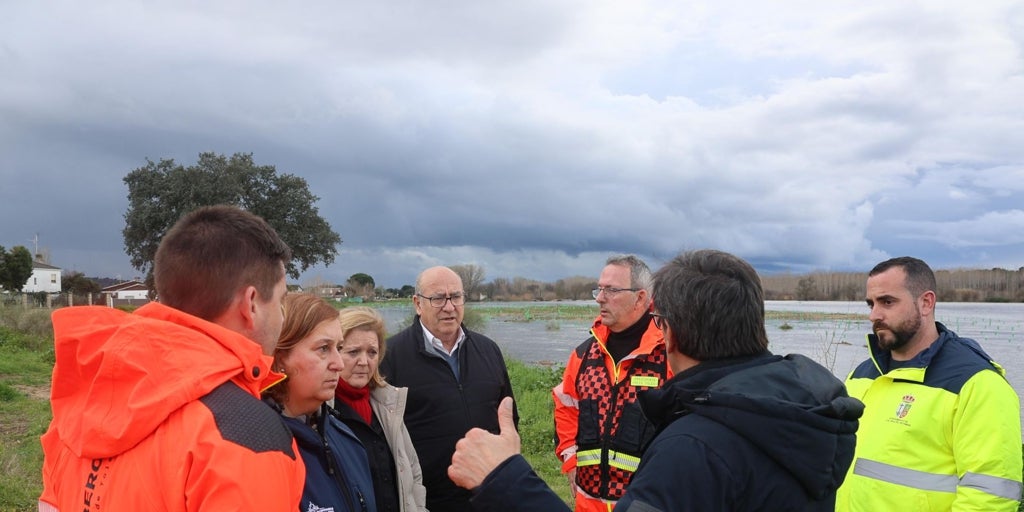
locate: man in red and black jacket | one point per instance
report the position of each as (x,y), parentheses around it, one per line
(600,429)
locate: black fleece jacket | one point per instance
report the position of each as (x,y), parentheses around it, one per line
(440,408)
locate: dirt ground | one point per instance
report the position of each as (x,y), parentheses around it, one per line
(34,392)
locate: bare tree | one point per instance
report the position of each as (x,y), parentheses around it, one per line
(472,277)
(575,287)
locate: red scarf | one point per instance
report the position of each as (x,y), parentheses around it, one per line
(357,399)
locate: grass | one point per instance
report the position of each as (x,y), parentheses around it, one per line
(532,386)
(23,419)
(26,361)
(812,316)
(542,311)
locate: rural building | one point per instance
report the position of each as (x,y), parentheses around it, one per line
(127,290)
(44,278)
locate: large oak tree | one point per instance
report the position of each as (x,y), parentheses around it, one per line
(159,193)
(360,284)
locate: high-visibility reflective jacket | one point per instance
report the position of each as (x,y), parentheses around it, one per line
(600,429)
(158,410)
(939,432)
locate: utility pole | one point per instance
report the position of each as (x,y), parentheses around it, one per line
(35,246)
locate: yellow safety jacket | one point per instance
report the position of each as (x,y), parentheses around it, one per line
(940,432)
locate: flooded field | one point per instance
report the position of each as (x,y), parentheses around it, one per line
(832,333)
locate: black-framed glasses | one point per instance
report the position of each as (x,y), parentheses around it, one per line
(659,320)
(457,299)
(611,290)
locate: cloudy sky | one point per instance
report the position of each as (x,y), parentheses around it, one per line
(535,138)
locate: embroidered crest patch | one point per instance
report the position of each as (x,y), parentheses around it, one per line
(904,408)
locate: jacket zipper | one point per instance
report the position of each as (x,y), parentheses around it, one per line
(332,465)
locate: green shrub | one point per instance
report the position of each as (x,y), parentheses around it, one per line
(8,393)
(31,323)
(11,339)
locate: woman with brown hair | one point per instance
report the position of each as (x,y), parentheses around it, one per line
(337,471)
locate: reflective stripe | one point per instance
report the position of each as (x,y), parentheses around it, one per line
(996,486)
(46,507)
(564,398)
(588,458)
(568,452)
(623,461)
(1002,487)
(903,476)
(615,459)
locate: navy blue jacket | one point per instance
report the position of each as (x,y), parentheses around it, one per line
(766,433)
(440,408)
(337,472)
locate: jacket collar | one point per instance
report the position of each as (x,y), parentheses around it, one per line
(652,337)
(914,369)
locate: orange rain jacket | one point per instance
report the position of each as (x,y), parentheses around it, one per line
(158,411)
(613,450)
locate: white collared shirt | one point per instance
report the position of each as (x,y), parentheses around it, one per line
(438,345)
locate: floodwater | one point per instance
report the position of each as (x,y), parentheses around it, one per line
(837,344)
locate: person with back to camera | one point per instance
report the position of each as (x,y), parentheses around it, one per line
(309,355)
(600,431)
(740,429)
(158,409)
(374,409)
(941,427)
(456,378)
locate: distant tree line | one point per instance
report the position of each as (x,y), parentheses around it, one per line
(958,285)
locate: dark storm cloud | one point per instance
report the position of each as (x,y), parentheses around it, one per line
(534,139)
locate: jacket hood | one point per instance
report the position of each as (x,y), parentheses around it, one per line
(790,407)
(118,376)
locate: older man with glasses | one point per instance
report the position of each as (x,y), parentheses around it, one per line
(456,378)
(600,430)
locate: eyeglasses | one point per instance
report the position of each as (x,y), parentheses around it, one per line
(611,290)
(659,321)
(457,299)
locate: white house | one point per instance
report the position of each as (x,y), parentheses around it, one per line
(127,290)
(45,278)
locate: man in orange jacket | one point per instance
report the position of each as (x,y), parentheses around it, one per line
(600,430)
(158,410)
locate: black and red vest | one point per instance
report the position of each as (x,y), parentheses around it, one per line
(612,431)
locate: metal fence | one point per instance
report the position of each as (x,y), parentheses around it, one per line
(59,300)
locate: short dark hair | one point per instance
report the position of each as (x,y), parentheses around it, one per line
(920,277)
(714,303)
(211,253)
(639,272)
